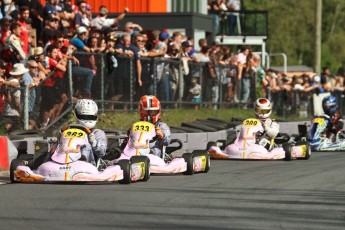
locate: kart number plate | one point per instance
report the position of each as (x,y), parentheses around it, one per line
(142,127)
(251,122)
(74,133)
(319,120)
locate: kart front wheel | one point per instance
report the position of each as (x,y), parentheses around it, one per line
(126,168)
(143,161)
(188,157)
(204,156)
(306,145)
(14,164)
(287,148)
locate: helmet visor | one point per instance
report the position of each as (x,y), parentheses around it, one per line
(263,111)
(87,117)
(153,112)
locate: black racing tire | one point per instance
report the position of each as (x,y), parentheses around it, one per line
(210,144)
(14,164)
(188,157)
(126,168)
(146,161)
(287,148)
(198,153)
(308,149)
(199,125)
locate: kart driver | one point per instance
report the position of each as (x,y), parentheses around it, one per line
(85,112)
(149,110)
(263,110)
(334,124)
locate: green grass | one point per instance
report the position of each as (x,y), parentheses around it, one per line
(123,120)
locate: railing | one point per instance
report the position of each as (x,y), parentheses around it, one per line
(170,80)
(248,23)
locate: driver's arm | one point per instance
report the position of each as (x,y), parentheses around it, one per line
(167,134)
(100,149)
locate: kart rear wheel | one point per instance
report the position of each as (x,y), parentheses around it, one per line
(126,168)
(308,149)
(203,154)
(188,157)
(287,148)
(14,164)
(146,161)
(210,144)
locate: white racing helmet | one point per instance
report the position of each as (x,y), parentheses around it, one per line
(86,113)
(263,108)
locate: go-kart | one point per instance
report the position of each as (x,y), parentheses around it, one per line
(317,137)
(253,143)
(138,144)
(64,162)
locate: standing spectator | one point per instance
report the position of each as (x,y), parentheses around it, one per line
(231,82)
(66,15)
(32,79)
(112,64)
(53,88)
(242,56)
(8,7)
(12,109)
(50,29)
(36,14)
(195,93)
(14,46)
(233,5)
(186,57)
(49,8)
(122,85)
(326,79)
(102,21)
(25,27)
(78,41)
(82,18)
(132,28)
(245,74)
(214,10)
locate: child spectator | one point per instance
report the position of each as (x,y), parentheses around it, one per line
(195,92)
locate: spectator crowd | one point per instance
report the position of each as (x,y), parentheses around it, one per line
(37,42)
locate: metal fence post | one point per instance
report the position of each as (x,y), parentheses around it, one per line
(70,81)
(26,107)
(132,83)
(102,81)
(181,84)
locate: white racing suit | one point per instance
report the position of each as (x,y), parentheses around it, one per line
(93,153)
(157,145)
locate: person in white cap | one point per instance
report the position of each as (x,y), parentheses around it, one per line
(78,41)
(12,108)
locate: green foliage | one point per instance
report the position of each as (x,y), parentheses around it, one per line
(291,27)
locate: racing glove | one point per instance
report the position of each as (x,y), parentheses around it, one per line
(271,128)
(159,133)
(92,140)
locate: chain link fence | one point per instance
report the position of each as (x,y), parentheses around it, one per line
(113,84)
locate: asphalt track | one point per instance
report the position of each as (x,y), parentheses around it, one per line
(233,195)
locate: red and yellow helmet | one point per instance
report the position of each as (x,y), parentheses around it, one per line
(149,108)
(263,108)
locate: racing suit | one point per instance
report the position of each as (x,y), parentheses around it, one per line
(323,133)
(271,129)
(91,152)
(98,150)
(158,144)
